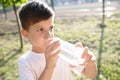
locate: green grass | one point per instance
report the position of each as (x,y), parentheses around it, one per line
(9,50)
(72,29)
(88,32)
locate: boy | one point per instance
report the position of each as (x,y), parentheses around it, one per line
(42,61)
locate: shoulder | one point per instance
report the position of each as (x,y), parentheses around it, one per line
(24,59)
(31,58)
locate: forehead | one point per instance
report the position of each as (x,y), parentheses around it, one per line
(44,23)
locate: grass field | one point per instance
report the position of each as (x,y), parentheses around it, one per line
(73,29)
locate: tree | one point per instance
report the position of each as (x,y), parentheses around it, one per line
(4,11)
(52,4)
(14,4)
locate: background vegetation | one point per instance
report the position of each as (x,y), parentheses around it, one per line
(83,29)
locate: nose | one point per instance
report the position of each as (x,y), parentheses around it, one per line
(48,34)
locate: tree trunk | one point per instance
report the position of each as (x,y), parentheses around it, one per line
(5,15)
(21,40)
(52,4)
(46,1)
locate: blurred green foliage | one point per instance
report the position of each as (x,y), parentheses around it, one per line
(73,29)
(8,3)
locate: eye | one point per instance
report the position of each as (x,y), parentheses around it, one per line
(51,28)
(40,29)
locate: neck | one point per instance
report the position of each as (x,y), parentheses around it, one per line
(38,50)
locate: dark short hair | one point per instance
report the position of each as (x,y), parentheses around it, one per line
(33,12)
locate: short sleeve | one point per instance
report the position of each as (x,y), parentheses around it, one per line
(25,71)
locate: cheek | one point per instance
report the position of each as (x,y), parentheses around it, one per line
(40,40)
(34,38)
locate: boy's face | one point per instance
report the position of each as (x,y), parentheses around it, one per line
(38,33)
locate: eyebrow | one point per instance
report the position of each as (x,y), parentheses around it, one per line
(37,27)
(42,26)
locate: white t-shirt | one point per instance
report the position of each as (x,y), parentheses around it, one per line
(31,66)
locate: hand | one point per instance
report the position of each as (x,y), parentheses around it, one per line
(90,69)
(51,52)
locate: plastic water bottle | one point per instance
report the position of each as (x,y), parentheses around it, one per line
(72,55)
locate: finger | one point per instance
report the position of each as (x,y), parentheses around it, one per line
(85,51)
(87,58)
(53,47)
(78,44)
(57,52)
(51,40)
(90,62)
(48,41)
(72,66)
(93,56)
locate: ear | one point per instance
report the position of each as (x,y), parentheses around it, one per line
(25,34)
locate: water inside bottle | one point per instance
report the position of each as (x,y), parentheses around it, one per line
(71,54)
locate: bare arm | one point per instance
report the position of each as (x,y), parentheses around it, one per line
(51,55)
(47,74)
